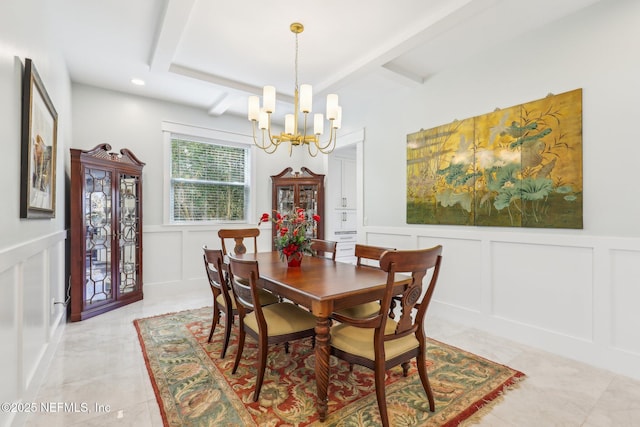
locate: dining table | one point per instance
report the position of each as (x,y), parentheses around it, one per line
(322,286)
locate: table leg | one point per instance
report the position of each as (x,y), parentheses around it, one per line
(322,365)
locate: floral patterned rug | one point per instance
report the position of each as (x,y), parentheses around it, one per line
(194,387)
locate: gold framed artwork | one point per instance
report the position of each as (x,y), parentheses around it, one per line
(515,167)
(39,145)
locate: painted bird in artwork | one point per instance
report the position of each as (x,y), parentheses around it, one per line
(529,138)
(517,131)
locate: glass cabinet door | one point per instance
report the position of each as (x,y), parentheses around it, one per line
(97,210)
(308,200)
(285,199)
(128,234)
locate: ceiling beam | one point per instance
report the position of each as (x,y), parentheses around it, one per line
(174,21)
(223,81)
(403,75)
(222,104)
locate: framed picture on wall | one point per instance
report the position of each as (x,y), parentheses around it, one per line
(39,146)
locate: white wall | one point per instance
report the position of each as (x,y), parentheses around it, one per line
(573,292)
(32,252)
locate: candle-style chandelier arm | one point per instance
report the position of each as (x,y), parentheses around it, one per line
(331,142)
(269,147)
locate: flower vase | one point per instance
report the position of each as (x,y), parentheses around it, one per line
(294,259)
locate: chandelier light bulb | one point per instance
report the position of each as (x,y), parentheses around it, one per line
(332,106)
(288,124)
(254,108)
(269,99)
(318,124)
(305,98)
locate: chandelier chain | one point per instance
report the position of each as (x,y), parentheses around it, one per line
(296,63)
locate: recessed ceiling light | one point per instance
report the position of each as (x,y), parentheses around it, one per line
(138,82)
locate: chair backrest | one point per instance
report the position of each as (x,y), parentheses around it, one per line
(369,253)
(415,263)
(243,276)
(324,247)
(238,235)
(213,260)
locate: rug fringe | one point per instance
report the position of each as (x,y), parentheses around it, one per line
(487,405)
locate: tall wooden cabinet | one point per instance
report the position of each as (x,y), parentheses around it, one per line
(106,230)
(303,189)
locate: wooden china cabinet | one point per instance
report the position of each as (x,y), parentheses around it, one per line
(303,189)
(106,230)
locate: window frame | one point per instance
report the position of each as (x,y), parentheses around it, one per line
(172,130)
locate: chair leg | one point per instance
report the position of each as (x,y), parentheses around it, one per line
(262,363)
(422,370)
(215,320)
(241,334)
(228,321)
(380,392)
(405,368)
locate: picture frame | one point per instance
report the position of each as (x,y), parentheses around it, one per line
(39,147)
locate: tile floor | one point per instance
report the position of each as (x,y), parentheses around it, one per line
(98,363)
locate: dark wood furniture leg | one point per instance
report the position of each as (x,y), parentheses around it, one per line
(322,365)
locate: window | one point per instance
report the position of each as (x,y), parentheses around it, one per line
(209,180)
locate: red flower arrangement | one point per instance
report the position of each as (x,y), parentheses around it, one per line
(293,231)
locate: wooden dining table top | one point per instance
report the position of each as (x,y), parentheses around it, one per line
(321,282)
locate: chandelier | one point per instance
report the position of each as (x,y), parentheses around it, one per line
(261,117)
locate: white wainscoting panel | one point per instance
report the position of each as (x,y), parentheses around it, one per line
(34,334)
(194,241)
(9,354)
(31,278)
(396,240)
(459,283)
(162,255)
(548,287)
(57,263)
(625,300)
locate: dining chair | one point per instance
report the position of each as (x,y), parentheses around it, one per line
(222,298)
(368,256)
(272,324)
(326,248)
(238,235)
(381,343)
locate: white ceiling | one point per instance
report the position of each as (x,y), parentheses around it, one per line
(213,54)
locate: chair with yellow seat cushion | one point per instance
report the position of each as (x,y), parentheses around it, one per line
(222,298)
(272,324)
(380,343)
(367,256)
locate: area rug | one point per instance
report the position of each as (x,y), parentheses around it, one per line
(194,387)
